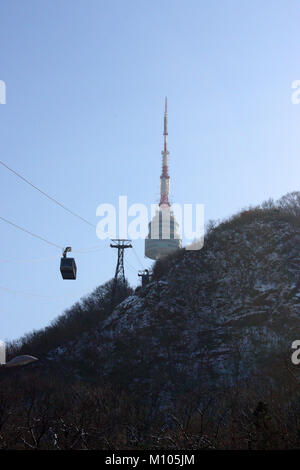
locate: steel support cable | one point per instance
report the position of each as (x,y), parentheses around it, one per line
(30,294)
(136,261)
(48,258)
(92,249)
(89,250)
(28,260)
(47,195)
(129,265)
(31,233)
(137,257)
(133,261)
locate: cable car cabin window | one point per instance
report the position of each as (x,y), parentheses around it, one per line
(68,268)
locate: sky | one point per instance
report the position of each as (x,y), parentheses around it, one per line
(83,120)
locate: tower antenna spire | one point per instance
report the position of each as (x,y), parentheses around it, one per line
(165,178)
(166,126)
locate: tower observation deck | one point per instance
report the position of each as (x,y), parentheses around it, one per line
(163,237)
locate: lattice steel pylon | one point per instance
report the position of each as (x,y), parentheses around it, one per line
(121,244)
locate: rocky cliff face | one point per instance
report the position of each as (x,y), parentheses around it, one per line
(208,318)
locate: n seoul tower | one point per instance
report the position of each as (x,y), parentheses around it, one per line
(163,237)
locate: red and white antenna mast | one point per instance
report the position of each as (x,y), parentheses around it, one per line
(165,178)
(164,236)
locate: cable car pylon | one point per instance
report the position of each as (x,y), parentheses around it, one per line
(119,280)
(146,276)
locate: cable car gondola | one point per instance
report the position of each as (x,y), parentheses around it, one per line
(68,266)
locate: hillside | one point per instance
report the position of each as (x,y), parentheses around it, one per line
(215,315)
(208,320)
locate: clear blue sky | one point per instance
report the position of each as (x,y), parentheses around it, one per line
(86,82)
